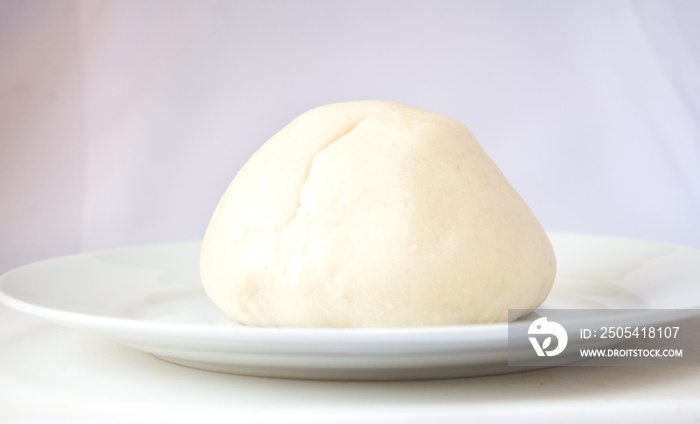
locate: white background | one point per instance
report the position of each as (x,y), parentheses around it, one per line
(123,122)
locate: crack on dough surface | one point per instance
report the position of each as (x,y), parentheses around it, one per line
(308,171)
(290,243)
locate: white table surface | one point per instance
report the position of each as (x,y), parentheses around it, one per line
(50,373)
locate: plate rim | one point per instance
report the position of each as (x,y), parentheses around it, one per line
(490,335)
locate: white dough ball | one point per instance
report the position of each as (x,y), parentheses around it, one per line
(372,214)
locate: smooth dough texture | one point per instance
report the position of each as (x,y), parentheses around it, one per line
(373,214)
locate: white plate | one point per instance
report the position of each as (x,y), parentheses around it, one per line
(150,298)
